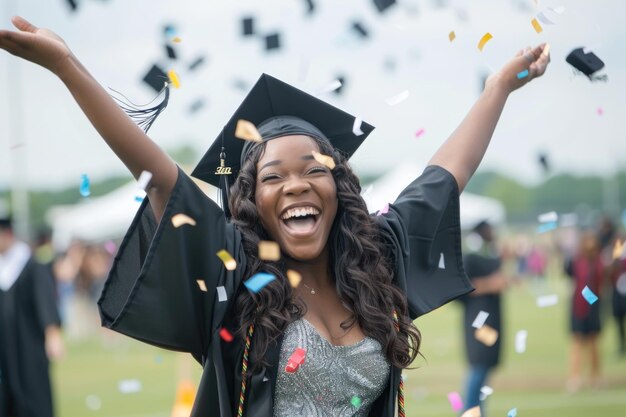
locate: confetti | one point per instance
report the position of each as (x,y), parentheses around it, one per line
(600,111)
(93,402)
(589,295)
(536,25)
(84,186)
(269,251)
(229,262)
(171,74)
(547,300)
(181,219)
(512,412)
(247,131)
(225,335)
(110,247)
(455,401)
(384,210)
(480,319)
(485,392)
(520,341)
(176,39)
(442,262)
(295,360)
(356,127)
(324,159)
(522,74)
(486,38)
(330,87)
(472,412)
(547,227)
(144,179)
(550,217)
(221,294)
(129,386)
(451,36)
(544,19)
(258,281)
(398,98)
(202,285)
(618,249)
(419,132)
(486,335)
(294,278)
(265,379)
(558,9)
(355,401)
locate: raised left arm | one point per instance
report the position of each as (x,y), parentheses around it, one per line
(462,152)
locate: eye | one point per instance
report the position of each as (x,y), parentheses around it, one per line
(316,170)
(269,176)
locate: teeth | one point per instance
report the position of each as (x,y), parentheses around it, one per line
(300,212)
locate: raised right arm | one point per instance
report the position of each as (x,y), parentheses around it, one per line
(134,148)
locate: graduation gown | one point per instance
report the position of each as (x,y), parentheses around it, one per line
(26,309)
(152,292)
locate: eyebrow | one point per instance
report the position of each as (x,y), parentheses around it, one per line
(278,161)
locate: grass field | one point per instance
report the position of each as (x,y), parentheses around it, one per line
(86,381)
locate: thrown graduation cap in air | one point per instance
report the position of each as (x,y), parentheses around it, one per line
(586,62)
(156,78)
(272,41)
(383,5)
(247,26)
(310,7)
(277,109)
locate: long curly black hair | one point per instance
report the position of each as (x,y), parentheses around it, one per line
(359,267)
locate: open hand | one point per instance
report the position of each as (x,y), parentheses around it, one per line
(41,46)
(528,64)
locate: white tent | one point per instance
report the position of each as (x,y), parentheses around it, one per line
(474,208)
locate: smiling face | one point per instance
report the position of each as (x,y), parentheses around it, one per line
(296,197)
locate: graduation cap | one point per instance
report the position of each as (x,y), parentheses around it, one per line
(586,62)
(360,29)
(171,52)
(156,78)
(542,159)
(383,5)
(73,5)
(277,109)
(272,41)
(247,26)
(310,7)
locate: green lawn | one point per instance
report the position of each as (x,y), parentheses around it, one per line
(86,381)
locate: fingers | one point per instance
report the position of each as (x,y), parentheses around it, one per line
(23,24)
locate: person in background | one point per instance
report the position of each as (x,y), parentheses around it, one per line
(30,333)
(617,274)
(484,269)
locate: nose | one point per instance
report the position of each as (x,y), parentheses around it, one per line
(296,185)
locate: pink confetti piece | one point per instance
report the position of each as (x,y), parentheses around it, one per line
(110,247)
(384,210)
(455,401)
(600,111)
(295,360)
(419,133)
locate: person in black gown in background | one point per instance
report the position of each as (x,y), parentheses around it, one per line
(30,332)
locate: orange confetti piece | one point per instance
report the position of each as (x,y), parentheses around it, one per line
(225,335)
(176,39)
(324,159)
(486,38)
(269,251)
(472,412)
(201,284)
(486,335)
(173,78)
(247,131)
(536,25)
(618,249)
(294,278)
(181,219)
(229,262)
(451,35)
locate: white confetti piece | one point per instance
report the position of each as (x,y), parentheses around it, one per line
(265,379)
(442,262)
(548,217)
(356,127)
(485,392)
(544,19)
(558,9)
(547,300)
(201,284)
(144,179)
(181,219)
(330,87)
(221,294)
(398,98)
(520,341)
(129,386)
(480,319)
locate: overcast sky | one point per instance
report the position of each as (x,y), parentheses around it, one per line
(408,49)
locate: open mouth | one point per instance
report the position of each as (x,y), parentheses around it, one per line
(301,220)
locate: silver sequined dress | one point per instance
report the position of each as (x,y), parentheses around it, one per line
(331,377)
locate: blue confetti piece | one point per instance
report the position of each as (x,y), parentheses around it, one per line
(589,295)
(258,281)
(522,74)
(546,227)
(512,412)
(138,198)
(84,185)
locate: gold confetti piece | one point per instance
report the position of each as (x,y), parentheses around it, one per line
(486,38)
(247,131)
(451,35)
(174,78)
(486,335)
(201,284)
(472,412)
(618,249)
(546,50)
(180,219)
(269,251)
(294,278)
(324,159)
(176,39)
(229,262)
(536,25)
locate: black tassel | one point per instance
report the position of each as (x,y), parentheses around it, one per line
(142,115)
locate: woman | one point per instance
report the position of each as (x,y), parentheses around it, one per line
(363,279)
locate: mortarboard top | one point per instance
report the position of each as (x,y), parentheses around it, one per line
(170,51)
(310,7)
(156,78)
(73,5)
(587,63)
(247,26)
(383,5)
(269,98)
(272,41)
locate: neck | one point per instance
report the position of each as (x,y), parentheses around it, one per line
(315,272)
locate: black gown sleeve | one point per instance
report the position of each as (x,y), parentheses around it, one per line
(422,230)
(45,297)
(152,293)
